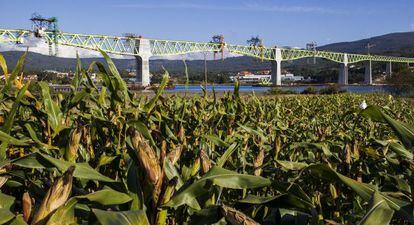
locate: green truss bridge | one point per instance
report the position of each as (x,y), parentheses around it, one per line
(143,49)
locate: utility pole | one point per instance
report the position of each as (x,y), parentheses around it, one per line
(369,46)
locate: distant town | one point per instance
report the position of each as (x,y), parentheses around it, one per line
(244,77)
(265,76)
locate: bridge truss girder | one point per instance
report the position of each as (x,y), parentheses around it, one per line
(15,36)
(253,51)
(130,46)
(167,47)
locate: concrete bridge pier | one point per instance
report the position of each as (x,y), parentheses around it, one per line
(343,74)
(277,73)
(368,73)
(277,68)
(388,69)
(143,48)
(142,70)
(343,71)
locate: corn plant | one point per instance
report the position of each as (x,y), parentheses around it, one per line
(101,154)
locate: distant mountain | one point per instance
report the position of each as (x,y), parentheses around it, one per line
(39,62)
(394,43)
(398,44)
(36,61)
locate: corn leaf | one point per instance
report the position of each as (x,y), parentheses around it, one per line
(119,82)
(3,65)
(78,73)
(281,201)
(6,201)
(151,104)
(379,212)
(64,215)
(54,115)
(18,220)
(5,215)
(226,155)
(218,177)
(134,187)
(101,197)
(10,119)
(405,132)
(365,191)
(15,73)
(137,217)
(42,161)
(5,138)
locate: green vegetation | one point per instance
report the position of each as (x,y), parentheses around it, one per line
(404,81)
(110,156)
(332,89)
(280,91)
(310,90)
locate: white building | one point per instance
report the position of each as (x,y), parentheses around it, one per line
(291,77)
(260,78)
(252,78)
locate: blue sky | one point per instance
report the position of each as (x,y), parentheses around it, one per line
(285,23)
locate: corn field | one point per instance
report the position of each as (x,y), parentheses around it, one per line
(109,156)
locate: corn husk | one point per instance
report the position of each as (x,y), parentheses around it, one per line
(205,161)
(71,152)
(175,154)
(162,215)
(347,154)
(149,162)
(27,206)
(258,162)
(356,150)
(181,136)
(236,217)
(3,180)
(196,167)
(163,150)
(55,197)
(277,146)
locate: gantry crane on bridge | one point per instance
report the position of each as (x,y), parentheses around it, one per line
(144,48)
(41,25)
(218,39)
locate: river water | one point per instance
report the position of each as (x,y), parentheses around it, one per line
(298,89)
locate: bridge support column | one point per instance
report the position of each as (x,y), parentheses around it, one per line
(142,70)
(368,73)
(143,49)
(343,71)
(277,73)
(388,69)
(277,68)
(343,74)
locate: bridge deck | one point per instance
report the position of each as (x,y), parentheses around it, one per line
(130,46)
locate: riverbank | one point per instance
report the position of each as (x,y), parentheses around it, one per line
(297,89)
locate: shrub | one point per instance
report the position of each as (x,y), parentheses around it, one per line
(310,90)
(332,89)
(280,91)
